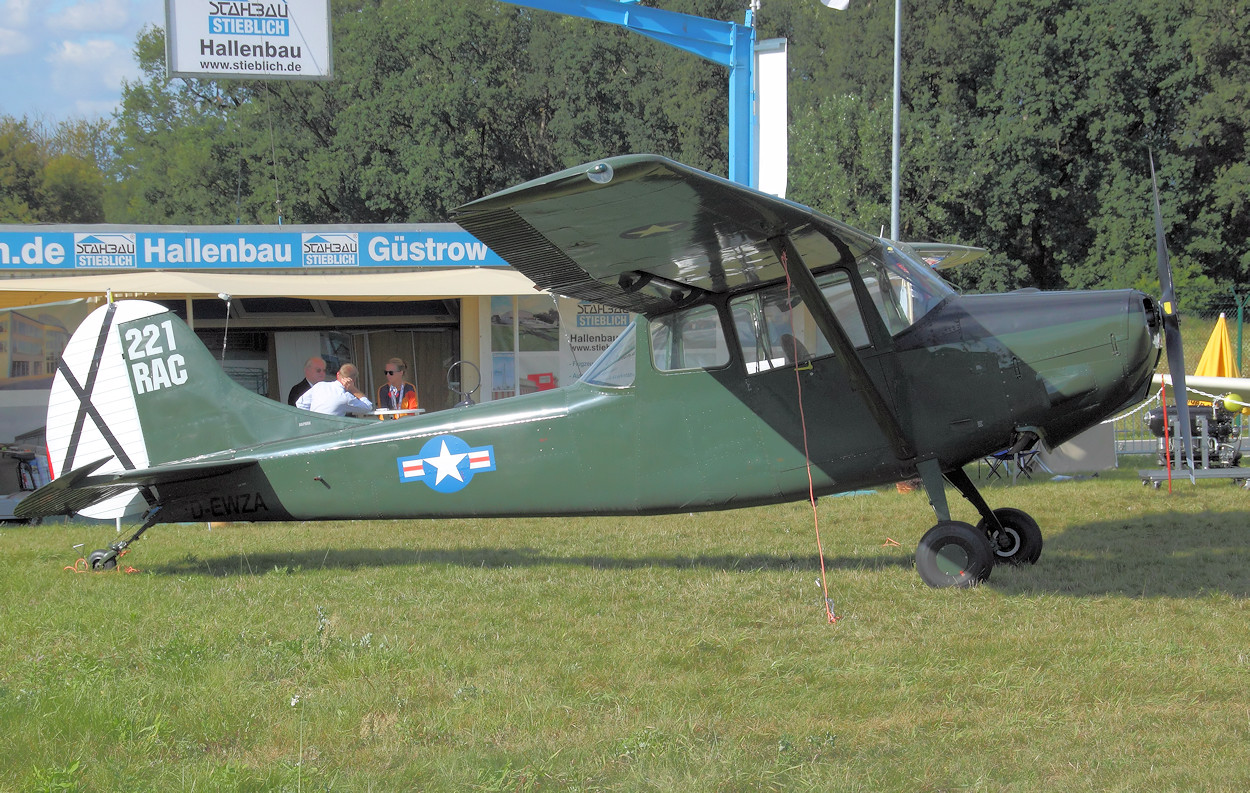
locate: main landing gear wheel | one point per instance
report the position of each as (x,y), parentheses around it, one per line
(102,560)
(1020,541)
(955,554)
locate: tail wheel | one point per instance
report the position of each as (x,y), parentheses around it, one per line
(102,560)
(954,554)
(1019,542)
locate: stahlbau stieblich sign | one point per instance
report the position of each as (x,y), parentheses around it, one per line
(277,39)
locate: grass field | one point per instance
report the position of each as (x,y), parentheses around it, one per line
(680,653)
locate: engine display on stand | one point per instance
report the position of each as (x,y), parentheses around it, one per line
(1214,431)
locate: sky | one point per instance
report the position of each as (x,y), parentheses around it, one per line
(66,59)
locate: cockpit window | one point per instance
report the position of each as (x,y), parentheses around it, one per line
(884,293)
(616,367)
(690,339)
(776,328)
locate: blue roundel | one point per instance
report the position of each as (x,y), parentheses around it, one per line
(446,464)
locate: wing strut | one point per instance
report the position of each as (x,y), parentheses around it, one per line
(803,280)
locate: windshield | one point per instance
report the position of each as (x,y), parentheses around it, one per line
(915,286)
(616,366)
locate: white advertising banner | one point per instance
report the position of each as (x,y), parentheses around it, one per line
(275,39)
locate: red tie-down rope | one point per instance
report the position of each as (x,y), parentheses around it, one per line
(81,566)
(807,458)
(1167,442)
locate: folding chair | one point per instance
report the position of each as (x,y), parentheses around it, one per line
(1014,464)
(1024,464)
(996,462)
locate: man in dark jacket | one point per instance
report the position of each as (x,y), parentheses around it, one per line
(314,372)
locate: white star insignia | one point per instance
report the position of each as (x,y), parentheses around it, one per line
(643,232)
(448,464)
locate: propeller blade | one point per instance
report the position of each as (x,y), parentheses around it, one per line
(1172,329)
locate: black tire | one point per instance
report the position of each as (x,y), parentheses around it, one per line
(954,554)
(1021,540)
(97,560)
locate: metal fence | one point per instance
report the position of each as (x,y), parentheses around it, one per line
(1133,435)
(251,378)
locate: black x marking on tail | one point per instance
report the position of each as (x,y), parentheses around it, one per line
(87,410)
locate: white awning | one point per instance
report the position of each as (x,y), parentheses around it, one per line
(381,286)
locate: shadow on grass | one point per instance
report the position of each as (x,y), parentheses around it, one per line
(502,558)
(1156,555)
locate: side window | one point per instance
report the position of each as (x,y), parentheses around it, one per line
(691,339)
(776,328)
(757,350)
(616,367)
(837,289)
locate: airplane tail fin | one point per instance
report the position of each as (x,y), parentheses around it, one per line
(136,388)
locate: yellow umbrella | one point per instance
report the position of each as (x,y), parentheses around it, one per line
(1217,359)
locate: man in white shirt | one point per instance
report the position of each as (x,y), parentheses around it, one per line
(336,396)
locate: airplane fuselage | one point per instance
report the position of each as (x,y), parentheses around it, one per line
(970,376)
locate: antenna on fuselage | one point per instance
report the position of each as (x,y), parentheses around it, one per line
(226,331)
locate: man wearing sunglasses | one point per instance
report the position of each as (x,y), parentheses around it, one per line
(395,394)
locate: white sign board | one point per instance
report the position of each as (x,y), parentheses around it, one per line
(274,39)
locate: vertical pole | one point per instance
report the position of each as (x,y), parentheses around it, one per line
(898,101)
(742,119)
(1241,315)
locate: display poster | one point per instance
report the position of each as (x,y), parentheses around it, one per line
(587,330)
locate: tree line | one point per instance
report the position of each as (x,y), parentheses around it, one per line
(1027,126)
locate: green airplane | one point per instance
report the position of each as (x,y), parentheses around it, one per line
(778,354)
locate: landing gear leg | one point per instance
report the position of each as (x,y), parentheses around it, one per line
(1014,535)
(952,553)
(106,558)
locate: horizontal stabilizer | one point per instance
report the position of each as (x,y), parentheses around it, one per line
(82,487)
(62,495)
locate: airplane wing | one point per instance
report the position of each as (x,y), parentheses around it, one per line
(78,489)
(642,232)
